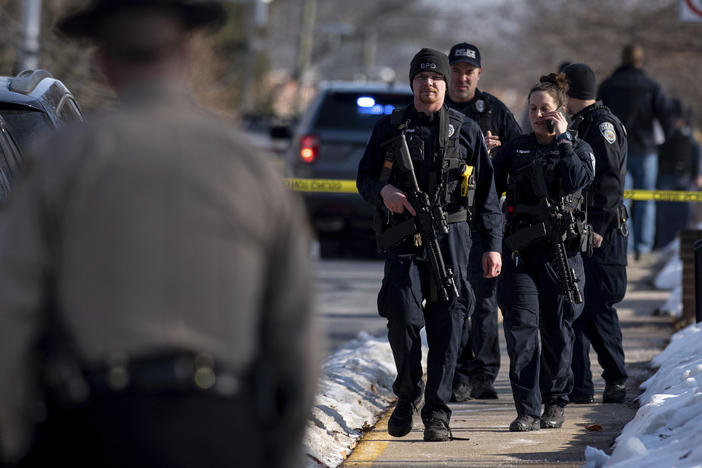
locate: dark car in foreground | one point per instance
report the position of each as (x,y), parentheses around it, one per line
(328,143)
(31,103)
(34,102)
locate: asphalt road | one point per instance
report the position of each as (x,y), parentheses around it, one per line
(346,299)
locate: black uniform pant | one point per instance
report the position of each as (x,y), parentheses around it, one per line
(599,324)
(538,330)
(165,430)
(405,299)
(479,354)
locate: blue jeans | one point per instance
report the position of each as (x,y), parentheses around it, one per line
(672,217)
(642,172)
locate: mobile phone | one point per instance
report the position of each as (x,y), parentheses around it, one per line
(550,126)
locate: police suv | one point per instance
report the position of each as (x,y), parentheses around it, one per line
(327,146)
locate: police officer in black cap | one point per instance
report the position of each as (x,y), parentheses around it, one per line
(605,270)
(479,358)
(444,146)
(540,290)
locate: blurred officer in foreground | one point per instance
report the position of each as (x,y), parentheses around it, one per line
(479,356)
(415,170)
(540,290)
(605,270)
(638,100)
(156,303)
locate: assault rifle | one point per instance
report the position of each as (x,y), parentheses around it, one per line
(430,221)
(555,226)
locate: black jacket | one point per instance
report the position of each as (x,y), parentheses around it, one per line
(637,100)
(573,166)
(598,126)
(490,114)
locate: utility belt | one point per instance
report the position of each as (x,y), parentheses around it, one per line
(532,237)
(622,217)
(178,371)
(389,235)
(619,222)
(172,371)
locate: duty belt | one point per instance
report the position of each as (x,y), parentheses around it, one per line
(401,231)
(179,371)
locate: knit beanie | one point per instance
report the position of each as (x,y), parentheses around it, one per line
(429,60)
(581,81)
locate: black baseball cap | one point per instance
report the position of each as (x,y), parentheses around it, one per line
(464,52)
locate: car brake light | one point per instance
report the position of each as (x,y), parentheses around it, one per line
(309,148)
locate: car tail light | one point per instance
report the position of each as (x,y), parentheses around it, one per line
(309,148)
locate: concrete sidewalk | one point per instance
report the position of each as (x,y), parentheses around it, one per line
(481,426)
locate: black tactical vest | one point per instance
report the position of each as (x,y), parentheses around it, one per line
(537,179)
(451,180)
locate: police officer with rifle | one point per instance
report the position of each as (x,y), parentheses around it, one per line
(605,270)
(417,171)
(540,290)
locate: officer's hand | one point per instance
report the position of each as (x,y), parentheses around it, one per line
(560,124)
(596,240)
(492,141)
(395,200)
(492,264)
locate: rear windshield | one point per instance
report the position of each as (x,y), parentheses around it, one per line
(26,124)
(357,111)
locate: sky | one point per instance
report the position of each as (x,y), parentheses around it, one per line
(356,389)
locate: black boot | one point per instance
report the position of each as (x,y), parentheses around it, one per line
(614,392)
(461,392)
(482,388)
(436,430)
(400,422)
(581,398)
(553,416)
(524,424)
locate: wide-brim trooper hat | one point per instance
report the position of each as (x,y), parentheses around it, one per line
(84,23)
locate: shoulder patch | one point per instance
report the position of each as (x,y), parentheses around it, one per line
(451,130)
(607,131)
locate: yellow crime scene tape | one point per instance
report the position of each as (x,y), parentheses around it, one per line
(664,195)
(349,186)
(322,185)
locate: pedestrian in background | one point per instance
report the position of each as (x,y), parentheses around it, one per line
(543,171)
(605,270)
(442,144)
(638,100)
(479,356)
(156,291)
(678,169)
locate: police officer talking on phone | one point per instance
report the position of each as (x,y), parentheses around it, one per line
(441,147)
(540,290)
(605,270)
(479,357)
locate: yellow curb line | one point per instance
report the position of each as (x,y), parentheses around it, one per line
(370,446)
